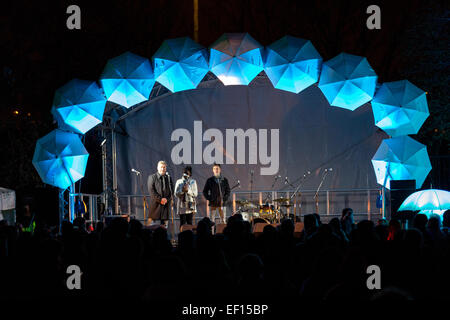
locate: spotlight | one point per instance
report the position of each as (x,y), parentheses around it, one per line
(16,112)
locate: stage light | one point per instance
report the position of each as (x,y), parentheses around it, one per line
(103,142)
(16,112)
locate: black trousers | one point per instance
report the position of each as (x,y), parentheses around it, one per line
(185,219)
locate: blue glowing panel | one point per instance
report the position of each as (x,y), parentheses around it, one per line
(236,58)
(292,64)
(60,158)
(427,200)
(400,108)
(401,158)
(347,81)
(180,64)
(127,79)
(78,106)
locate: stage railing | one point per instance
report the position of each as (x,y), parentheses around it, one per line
(330,204)
(93,202)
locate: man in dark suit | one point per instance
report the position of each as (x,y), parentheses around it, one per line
(160,187)
(217,192)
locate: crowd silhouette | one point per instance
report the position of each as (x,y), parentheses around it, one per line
(327,261)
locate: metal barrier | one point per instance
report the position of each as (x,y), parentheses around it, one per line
(93,203)
(329,203)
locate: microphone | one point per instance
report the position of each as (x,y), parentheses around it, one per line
(135,171)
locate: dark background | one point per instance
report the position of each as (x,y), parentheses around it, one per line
(39,54)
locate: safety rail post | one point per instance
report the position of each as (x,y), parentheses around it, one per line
(328,202)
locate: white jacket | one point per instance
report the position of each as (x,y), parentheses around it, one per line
(183,199)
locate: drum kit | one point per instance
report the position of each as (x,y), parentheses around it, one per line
(270,212)
(273,211)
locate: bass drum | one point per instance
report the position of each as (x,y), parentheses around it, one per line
(246,216)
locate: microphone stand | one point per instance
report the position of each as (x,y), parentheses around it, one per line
(171,206)
(142,191)
(305,175)
(269,194)
(316,196)
(251,190)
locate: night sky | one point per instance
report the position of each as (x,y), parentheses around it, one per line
(39,54)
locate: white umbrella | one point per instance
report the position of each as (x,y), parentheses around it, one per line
(428,201)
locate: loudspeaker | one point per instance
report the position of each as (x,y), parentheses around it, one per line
(400,190)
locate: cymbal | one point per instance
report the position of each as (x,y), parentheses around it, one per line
(281,199)
(244,202)
(288,205)
(250,206)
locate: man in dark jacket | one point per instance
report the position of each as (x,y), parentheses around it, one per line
(160,187)
(217,191)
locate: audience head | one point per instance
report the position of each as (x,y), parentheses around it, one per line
(204,227)
(434,223)
(420,221)
(347,215)
(317,218)
(446,219)
(382,222)
(335,223)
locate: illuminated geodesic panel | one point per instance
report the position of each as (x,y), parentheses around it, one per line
(400,108)
(127,79)
(78,106)
(236,58)
(292,64)
(180,64)
(60,158)
(401,158)
(347,81)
